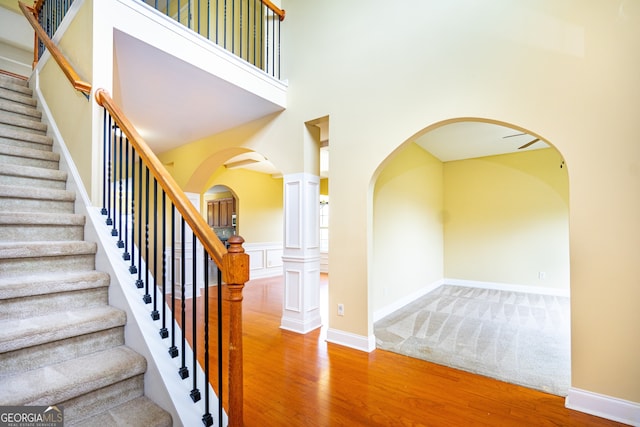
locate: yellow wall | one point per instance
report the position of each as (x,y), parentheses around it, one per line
(11,5)
(70,108)
(258,204)
(407,226)
(506,219)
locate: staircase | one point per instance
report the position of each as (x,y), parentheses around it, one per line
(60,341)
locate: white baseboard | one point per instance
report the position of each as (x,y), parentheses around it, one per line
(397,305)
(603,406)
(508,287)
(347,339)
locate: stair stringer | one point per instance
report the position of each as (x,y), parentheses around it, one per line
(162,384)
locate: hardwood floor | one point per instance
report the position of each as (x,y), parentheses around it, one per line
(301,380)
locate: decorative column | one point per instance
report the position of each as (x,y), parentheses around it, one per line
(301,253)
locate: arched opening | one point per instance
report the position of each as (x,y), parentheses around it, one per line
(471,253)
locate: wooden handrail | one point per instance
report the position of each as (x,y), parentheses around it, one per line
(210,241)
(67,69)
(275,9)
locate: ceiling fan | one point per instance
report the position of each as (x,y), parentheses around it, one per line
(525,145)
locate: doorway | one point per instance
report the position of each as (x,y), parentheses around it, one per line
(473,205)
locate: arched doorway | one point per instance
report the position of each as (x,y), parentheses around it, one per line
(475,210)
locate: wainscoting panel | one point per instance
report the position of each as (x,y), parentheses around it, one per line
(265,259)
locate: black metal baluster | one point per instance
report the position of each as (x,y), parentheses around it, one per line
(139,282)
(183,371)
(279,47)
(266,68)
(109,221)
(255,27)
(173,350)
(146,298)
(112,208)
(207,419)
(155,314)
(126,255)
(103,211)
(217,21)
(208,20)
(134,223)
(220,350)
(225,24)
(164,332)
(120,241)
(195,393)
(262,37)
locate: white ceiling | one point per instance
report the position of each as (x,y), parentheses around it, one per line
(201,104)
(466,140)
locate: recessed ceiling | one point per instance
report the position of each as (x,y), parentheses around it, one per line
(467,140)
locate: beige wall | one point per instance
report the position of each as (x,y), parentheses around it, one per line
(408,238)
(565,71)
(507,219)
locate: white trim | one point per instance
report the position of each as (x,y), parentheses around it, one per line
(299,326)
(397,305)
(347,339)
(608,407)
(508,287)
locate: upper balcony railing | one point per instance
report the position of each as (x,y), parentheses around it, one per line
(250,29)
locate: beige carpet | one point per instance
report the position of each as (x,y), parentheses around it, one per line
(511,336)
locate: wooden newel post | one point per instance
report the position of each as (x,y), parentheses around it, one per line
(235,274)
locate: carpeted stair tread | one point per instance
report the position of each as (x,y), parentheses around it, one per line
(17,120)
(66,380)
(15,134)
(134,413)
(18,86)
(11,80)
(48,282)
(32,172)
(16,334)
(21,192)
(17,93)
(29,153)
(38,226)
(40,218)
(45,249)
(26,110)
